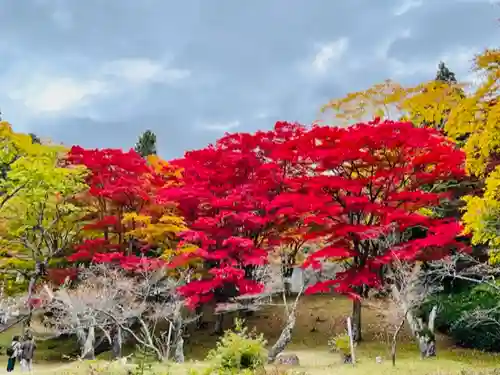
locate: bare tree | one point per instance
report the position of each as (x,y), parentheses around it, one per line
(95,304)
(112,302)
(409,288)
(275,284)
(10,310)
(467,268)
(409,291)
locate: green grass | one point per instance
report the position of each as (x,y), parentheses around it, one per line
(315,362)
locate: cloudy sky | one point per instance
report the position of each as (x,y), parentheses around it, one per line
(100,72)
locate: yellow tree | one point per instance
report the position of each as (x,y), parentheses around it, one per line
(477,117)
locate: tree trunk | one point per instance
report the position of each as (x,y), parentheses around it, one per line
(395,341)
(426,344)
(88,346)
(219,324)
(39,269)
(116,348)
(200,324)
(427,340)
(284,339)
(178,342)
(356,320)
(31,290)
(393,352)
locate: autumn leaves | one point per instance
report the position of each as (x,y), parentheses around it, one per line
(226,209)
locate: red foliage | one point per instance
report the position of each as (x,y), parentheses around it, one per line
(119,182)
(229,196)
(369,180)
(345,186)
(248,193)
(115,175)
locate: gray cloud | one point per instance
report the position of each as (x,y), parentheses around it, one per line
(98,73)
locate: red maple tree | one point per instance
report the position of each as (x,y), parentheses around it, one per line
(225,197)
(242,196)
(119,183)
(368,181)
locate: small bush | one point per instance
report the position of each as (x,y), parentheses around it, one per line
(340,344)
(238,350)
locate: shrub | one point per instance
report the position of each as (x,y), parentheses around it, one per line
(454,317)
(237,351)
(340,344)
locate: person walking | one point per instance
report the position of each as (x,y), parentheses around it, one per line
(13,352)
(27,352)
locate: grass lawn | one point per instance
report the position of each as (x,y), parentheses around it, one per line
(314,362)
(319,317)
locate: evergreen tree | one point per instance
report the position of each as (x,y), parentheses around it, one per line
(34,138)
(445,75)
(146,145)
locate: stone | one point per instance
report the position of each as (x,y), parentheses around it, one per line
(289,359)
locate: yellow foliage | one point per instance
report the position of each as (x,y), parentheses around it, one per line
(380,100)
(423,104)
(426,212)
(169,253)
(161,166)
(160,231)
(158,225)
(482,214)
(478,116)
(134,217)
(30,168)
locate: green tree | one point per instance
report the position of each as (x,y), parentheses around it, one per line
(38,218)
(20,162)
(445,75)
(146,145)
